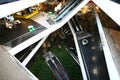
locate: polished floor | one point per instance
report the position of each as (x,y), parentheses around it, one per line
(20,33)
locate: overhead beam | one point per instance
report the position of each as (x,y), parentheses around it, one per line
(111,8)
(29,57)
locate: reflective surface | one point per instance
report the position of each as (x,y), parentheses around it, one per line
(20,33)
(92,52)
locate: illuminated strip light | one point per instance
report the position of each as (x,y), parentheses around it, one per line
(29,57)
(113,74)
(82,67)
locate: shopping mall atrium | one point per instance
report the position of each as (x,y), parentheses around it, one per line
(60,40)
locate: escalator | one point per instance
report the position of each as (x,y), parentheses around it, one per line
(67,9)
(54,70)
(90,50)
(60,67)
(55,66)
